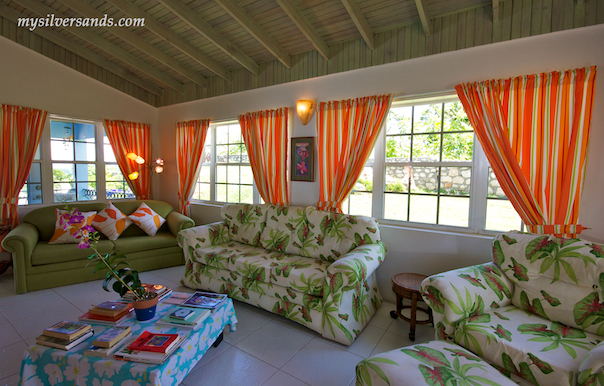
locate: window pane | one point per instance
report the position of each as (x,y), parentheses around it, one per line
(365,181)
(501,216)
(204,174)
(360,203)
(456,180)
(222,153)
(86,172)
(454,211)
(232,193)
(423,179)
(233,174)
(399,120)
(397,178)
(113,173)
(221,173)
(86,191)
(247,176)
(23,196)
(35,173)
(398,148)
(235,152)
(61,150)
(64,192)
(456,118)
(427,118)
(247,194)
(426,148)
(37,155)
(202,192)
(222,135)
(85,151)
(61,130)
(84,132)
(395,206)
(423,209)
(221,193)
(235,134)
(63,172)
(458,146)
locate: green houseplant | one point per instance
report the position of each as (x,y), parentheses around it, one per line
(124,278)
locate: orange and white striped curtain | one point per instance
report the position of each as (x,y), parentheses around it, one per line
(20,132)
(534,130)
(131,137)
(266,138)
(347,131)
(190,139)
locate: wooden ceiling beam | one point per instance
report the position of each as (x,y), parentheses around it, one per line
(173,38)
(126,35)
(255,30)
(422,9)
(83,33)
(305,27)
(359,20)
(60,40)
(201,26)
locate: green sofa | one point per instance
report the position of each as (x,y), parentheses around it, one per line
(37,265)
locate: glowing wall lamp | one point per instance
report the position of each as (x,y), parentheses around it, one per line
(304,109)
(159,165)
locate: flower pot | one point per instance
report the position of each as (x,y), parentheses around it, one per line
(145,309)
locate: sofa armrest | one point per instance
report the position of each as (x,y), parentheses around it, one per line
(20,242)
(178,221)
(591,370)
(203,236)
(456,295)
(355,266)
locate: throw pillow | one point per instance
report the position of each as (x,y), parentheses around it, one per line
(66,237)
(147,219)
(111,222)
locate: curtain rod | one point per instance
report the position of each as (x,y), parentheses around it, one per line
(436,94)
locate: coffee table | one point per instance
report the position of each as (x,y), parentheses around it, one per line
(47,365)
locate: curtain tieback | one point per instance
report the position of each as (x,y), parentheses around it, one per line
(8,200)
(331,206)
(557,229)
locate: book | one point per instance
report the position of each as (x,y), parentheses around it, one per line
(205,300)
(158,358)
(111,336)
(96,351)
(67,330)
(100,319)
(157,288)
(191,323)
(177,298)
(110,309)
(181,313)
(149,341)
(128,298)
(63,344)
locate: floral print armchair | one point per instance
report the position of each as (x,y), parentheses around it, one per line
(536,312)
(314,267)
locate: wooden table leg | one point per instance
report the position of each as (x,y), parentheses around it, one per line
(413,316)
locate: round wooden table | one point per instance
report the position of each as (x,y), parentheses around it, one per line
(407,286)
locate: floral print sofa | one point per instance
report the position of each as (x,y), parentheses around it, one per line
(535,312)
(313,267)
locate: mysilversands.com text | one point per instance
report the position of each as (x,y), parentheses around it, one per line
(51,21)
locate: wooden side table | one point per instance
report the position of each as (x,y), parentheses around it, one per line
(407,286)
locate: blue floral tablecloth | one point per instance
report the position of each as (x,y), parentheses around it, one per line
(44,365)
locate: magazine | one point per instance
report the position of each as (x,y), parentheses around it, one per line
(204,300)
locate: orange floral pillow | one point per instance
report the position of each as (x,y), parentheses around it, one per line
(62,236)
(147,219)
(111,222)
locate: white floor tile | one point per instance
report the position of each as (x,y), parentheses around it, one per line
(246,324)
(34,306)
(364,344)
(32,326)
(283,379)
(10,359)
(233,367)
(322,364)
(13,380)
(8,336)
(212,353)
(274,343)
(382,318)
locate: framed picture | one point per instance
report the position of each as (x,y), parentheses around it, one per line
(303,159)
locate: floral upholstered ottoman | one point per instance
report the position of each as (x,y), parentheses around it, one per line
(432,363)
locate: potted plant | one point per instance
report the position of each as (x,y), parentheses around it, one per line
(125,279)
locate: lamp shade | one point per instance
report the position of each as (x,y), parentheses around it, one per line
(133,176)
(131,156)
(304,109)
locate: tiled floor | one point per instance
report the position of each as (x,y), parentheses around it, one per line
(265,350)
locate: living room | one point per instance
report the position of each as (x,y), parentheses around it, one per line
(33,80)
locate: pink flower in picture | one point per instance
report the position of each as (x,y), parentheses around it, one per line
(301,167)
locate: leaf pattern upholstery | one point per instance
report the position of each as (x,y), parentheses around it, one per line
(537,311)
(313,267)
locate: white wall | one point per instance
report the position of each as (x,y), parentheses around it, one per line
(30,79)
(413,250)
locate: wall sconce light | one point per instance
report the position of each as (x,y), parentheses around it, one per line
(304,109)
(159,165)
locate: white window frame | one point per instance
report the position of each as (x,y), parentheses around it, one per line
(213,166)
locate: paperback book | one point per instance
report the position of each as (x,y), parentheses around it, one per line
(96,351)
(111,337)
(110,309)
(205,300)
(157,358)
(101,319)
(67,330)
(177,298)
(148,341)
(63,344)
(200,314)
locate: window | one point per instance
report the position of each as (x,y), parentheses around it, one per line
(66,164)
(425,170)
(225,174)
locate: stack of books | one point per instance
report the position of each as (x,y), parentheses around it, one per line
(207,300)
(177,298)
(109,342)
(65,335)
(161,290)
(150,348)
(111,313)
(186,318)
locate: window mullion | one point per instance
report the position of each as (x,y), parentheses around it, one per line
(379,173)
(101,188)
(213,166)
(478,189)
(47,178)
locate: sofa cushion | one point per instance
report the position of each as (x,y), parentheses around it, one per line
(336,234)
(44,253)
(245,222)
(144,243)
(147,219)
(538,350)
(111,222)
(559,279)
(67,236)
(302,274)
(285,227)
